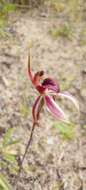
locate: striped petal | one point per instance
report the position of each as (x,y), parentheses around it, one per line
(70,97)
(54,109)
(37,108)
(52,85)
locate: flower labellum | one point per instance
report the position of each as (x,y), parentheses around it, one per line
(48,90)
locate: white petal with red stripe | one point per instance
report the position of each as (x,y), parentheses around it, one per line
(70,97)
(54,109)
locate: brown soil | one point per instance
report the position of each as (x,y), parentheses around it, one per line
(51,163)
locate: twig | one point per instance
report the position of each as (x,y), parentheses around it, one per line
(22,6)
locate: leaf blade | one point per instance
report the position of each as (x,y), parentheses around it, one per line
(4,183)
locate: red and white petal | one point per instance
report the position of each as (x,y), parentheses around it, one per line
(70,97)
(37,107)
(54,109)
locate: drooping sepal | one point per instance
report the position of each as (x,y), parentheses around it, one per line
(70,97)
(54,109)
(37,107)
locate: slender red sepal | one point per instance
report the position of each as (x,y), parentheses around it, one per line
(39,102)
(29,68)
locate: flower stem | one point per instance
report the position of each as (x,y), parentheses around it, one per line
(26,150)
(28,145)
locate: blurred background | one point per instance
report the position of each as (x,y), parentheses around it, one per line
(56,159)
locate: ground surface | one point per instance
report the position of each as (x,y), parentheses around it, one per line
(52,163)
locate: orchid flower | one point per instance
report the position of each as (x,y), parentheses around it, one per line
(48,89)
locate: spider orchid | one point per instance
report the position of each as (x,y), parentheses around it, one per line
(48,89)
